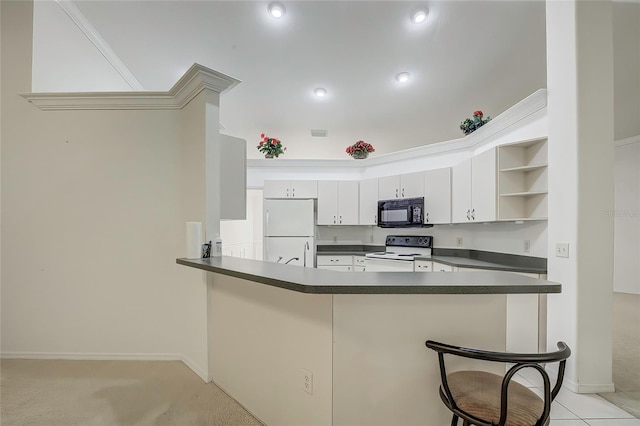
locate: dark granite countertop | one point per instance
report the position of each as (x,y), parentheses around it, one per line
(321,281)
(461,258)
(347,249)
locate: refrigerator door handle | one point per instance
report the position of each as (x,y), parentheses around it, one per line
(266,225)
(306,251)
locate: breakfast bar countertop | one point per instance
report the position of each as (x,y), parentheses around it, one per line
(320,281)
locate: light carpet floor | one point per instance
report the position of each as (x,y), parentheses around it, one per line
(112,393)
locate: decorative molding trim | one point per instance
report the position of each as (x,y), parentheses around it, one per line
(103,47)
(107,357)
(520,111)
(196,79)
(627,141)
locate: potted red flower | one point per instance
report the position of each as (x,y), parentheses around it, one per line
(360,150)
(270,147)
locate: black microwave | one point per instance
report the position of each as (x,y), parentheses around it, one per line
(401,213)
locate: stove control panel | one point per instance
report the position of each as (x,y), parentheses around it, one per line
(424,241)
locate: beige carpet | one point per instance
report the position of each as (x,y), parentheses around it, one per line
(55,392)
(626,353)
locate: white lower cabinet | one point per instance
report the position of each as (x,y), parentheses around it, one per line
(441,267)
(359,264)
(342,263)
(422,265)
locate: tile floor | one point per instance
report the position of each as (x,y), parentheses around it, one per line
(572,409)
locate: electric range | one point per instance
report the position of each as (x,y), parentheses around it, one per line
(400,252)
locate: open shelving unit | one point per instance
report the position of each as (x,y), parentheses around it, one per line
(522,180)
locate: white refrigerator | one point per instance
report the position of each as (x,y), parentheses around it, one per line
(289,232)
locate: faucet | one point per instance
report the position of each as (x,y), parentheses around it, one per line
(293,258)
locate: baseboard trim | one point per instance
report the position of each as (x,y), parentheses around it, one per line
(76,356)
(588,388)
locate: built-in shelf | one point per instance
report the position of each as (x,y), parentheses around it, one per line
(522,181)
(524,168)
(524,194)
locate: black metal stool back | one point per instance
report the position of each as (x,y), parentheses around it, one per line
(486,399)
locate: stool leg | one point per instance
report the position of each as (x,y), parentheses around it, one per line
(454,420)
(466,423)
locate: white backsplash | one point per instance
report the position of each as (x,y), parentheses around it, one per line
(504,237)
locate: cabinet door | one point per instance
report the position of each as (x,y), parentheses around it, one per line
(412,185)
(389,187)
(441,267)
(437,196)
(304,189)
(348,203)
(368,202)
(461,192)
(276,189)
(483,186)
(327,202)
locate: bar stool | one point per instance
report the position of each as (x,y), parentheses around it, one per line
(486,399)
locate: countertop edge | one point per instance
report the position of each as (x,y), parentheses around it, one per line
(543,288)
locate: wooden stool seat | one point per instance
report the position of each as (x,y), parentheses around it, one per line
(478,393)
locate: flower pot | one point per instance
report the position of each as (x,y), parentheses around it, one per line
(360,155)
(268,156)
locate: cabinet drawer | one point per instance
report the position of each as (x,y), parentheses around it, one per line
(423,266)
(358,269)
(358,260)
(441,267)
(335,261)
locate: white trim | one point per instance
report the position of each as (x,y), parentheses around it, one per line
(108,357)
(588,388)
(628,141)
(497,126)
(103,47)
(196,79)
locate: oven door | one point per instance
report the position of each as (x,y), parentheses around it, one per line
(376,264)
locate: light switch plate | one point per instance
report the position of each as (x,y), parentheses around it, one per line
(562,249)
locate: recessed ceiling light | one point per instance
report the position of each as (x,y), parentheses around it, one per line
(419,16)
(276,9)
(320,92)
(403,77)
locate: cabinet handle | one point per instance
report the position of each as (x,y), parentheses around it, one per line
(402,192)
(473,214)
(375,218)
(396,192)
(427,218)
(293,192)
(468,213)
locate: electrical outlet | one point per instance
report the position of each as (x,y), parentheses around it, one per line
(527,246)
(459,241)
(307,381)
(562,249)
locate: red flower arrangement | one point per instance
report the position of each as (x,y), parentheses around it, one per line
(360,149)
(271,147)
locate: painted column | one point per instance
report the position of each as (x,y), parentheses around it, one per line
(581,187)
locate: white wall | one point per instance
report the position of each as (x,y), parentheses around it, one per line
(627,219)
(505,237)
(94,210)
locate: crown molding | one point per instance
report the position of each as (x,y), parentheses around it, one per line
(485,134)
(196,79)
(83,24)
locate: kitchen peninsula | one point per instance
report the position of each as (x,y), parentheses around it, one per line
(299,345)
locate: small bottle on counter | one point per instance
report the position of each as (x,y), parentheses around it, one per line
(217,247)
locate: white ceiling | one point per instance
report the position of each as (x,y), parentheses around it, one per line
(468,55)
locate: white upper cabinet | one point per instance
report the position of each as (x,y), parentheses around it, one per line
(437,196)
(290,189)
(409,185)
(368,202)
(338,203)
(473,189)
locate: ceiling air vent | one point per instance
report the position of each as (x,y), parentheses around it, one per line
(319,133)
